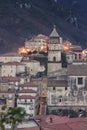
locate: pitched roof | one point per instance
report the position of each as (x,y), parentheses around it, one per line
(54,33)
(57,83)
(28,84)
(26,97)
(77,70)
(9,79)
(27,91)
(52,122)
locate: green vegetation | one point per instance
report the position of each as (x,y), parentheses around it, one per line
(12,116)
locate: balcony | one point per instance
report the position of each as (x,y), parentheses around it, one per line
(25,103)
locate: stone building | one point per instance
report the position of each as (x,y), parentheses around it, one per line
(28,98)
(11,69)
(33,66)
(54,53)
(10,57)
(37,43)
(7,91)
(67,88)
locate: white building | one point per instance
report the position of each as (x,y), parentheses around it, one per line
(11,69)
(37,42)
(28,85)
(28,102)
(7,91)
(28,99)
(10,57)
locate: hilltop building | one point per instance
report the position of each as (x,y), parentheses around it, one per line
(38,43)
(64,87)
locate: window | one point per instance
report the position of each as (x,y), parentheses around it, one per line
(30,108)
(54,88)
(80,56)
(54,99)
(80,81)
(30,100)
(54,58)
(3,96)
(25,101)
(10,97)
(66,88)
(60,99)
(9,88)
(75,56)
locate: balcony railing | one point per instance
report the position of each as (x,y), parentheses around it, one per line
(25,103)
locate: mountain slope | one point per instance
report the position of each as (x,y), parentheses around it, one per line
(22,19)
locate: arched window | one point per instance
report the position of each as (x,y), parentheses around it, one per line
(54,88)
(54,58)
(75,56)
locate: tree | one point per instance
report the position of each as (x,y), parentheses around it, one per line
(12,116)
(3,117)
(2,120)
(15,116)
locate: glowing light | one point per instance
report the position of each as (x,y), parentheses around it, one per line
(66,47)
(43,48)
(22,50)
(84,54)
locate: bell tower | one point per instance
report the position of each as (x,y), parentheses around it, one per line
(54,53)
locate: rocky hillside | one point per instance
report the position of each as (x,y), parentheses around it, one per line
(22,19)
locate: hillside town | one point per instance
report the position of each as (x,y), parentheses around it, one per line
(48,78)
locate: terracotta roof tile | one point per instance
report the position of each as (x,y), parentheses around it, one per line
(57,83)
(26,97)
(77,70)
(27,91)
(28,84)
(9,79)
(62,123)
